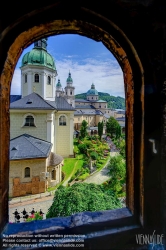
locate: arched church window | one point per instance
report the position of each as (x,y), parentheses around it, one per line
(29,121)
(36,78)
(71,93)
(62,120)
(48,80)
(25,80)
(27,172)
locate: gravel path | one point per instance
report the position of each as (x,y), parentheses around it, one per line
(101,176)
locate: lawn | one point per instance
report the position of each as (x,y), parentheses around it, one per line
(71,165)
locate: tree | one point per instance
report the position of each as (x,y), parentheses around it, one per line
(82,197)
(100,129)
(83,129)
(94,155)
(82,148)
(111,126)
(122,147)
(117,172)
(118,131)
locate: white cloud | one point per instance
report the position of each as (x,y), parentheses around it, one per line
(16,82)
(106,75)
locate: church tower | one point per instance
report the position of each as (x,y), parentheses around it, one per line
(38,72)
(59,88)
(69,91)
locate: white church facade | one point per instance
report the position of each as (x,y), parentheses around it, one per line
(41,125)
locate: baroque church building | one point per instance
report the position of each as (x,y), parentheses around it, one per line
(41,125)
(43,120)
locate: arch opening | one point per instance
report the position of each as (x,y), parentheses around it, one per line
(57,27)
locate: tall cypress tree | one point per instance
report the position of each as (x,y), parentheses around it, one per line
(100,129)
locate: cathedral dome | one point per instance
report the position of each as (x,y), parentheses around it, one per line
(92,91)
(39,56)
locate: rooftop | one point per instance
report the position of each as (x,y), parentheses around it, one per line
(26,147)
(31,101)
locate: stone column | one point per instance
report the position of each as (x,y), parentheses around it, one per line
(50,127)
(71,133)
(55,132)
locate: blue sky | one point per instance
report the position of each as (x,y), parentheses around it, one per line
(88,61)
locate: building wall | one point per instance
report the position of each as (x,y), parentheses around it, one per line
(47,91)
(64,135)
(17,128)
(100,105)
(92,120)
(117,115)
(19,185)
(92,97)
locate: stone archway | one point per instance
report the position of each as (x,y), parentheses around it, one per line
(96,32)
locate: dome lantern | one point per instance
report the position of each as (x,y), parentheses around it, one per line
(39,56)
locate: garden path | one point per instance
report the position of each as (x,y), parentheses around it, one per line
(102,175)
(66,181)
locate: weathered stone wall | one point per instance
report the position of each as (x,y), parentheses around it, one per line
(19,185)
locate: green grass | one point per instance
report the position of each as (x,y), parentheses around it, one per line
(103,163)
(83,176)
(68,166)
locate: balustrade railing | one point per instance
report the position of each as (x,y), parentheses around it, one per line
(27,216)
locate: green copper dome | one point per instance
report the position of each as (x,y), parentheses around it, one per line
(69,79)
(92,91)
(58,84)
(39,56)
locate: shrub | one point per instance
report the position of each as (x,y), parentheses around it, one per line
(94,155)
(82,148)
(88,144)
(82,197)
(35,216)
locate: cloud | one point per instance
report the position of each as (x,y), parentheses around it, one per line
(105,74)
(16,82)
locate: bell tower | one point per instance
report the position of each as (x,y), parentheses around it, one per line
(38,72)
(69,91)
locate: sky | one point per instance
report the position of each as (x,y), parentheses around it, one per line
(87,60)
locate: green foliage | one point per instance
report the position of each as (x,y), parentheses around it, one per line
(118,131)
(82,148)
(122,148)
(100,129)
(88,144)
(117,169)
(83,176)
(94,155)
(113,102)
(83,130)
(82,197)
(111,126)
(35,216)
